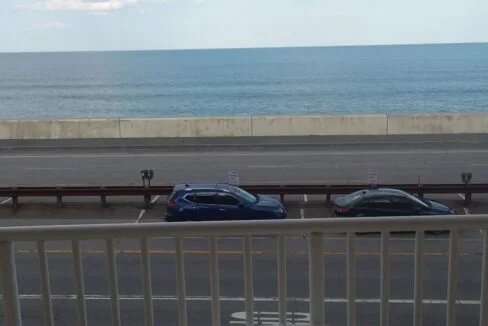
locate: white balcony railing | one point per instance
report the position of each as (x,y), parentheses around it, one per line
(314,229)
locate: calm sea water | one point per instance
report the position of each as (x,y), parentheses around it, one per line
(327,80)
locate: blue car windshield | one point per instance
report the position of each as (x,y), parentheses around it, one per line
(244,194)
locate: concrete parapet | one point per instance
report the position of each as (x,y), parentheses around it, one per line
(440,123)
(186,127)
(319,125)
(264,126)
(59,129)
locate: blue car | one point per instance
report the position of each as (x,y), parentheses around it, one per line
(220,202)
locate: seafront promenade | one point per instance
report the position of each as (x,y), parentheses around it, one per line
(246,126)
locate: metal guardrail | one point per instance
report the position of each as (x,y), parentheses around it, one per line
(316,229)
(277,189)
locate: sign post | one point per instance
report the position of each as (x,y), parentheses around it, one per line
(233,176)
(373,178)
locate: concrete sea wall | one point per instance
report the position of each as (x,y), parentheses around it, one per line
(319,125)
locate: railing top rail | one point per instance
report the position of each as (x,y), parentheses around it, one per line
(284,227)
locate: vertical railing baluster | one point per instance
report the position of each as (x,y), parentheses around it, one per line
(9,287)
(248,282)
(282,279)
(180,282)
(113,282)
(214,281)
(452,278)
(316,278)
(484,282)
(351,279)
(385,279)
(146,282)
(418,279)
(45,284)
(80,285)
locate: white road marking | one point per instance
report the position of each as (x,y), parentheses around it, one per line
(305,198)
(143,211)
(296,237)
(5,201)
(269,153)
(462,196)
(95,297)
(141,214)
(271,318)
(271,166)
(47,169)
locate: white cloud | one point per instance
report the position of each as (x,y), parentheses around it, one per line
(50,25)
(81,5)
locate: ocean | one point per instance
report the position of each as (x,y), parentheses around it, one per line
(237,82)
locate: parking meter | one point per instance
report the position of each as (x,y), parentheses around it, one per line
(466,177)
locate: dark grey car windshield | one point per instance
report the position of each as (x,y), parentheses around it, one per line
(353,197)
(243,194)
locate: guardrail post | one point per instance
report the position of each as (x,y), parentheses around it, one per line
(466,177)
(282,195)
(467,198)
(420,186)
(103,200)
(316,278)
(15,202)
(10,293)
(59,198)
(328,199)
(15,199)
(147,201)
(103,197)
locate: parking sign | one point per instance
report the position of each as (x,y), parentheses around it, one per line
(373,177)
(234,178)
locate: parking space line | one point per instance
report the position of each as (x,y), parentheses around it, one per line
(141,214)
(98,297)
(271,166)
(5,201)
(466,210)
(143,211)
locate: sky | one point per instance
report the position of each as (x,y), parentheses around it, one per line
(101,25)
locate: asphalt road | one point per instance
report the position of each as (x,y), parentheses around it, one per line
(392,166)
(436,141)
(396,164)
